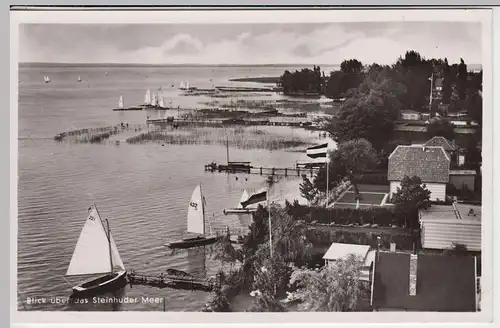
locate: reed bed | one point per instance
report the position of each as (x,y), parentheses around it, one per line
(239,137)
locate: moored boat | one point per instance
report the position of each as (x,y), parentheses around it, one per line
(122,108)
(96,254)
(195,224)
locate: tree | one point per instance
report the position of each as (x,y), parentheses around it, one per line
(410,197)
(336,172)
(475,106)
(462,80)
(356,156)
(447,83)
(266,303)
(441,128)
(336,287)
(370,111)
(307,189)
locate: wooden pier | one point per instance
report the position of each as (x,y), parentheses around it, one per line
(171,281)
(225,122)
(248,169)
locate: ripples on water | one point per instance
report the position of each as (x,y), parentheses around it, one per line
(142,189)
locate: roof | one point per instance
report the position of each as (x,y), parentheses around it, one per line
(339,250)
(409,111)
(441,142)
(448,213)
(410,128)
(430,164)
(443,283)
(462,172)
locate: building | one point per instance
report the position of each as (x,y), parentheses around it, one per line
(442,226)
(339,251)
(410,282)
(450,148)
(430,164)
(410,115)
(461,178)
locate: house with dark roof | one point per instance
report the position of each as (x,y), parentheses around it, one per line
(411,282)
(431,164)
(447,145)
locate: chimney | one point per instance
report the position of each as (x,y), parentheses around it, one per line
(413,274)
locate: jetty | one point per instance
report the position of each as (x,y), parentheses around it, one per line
(224,122)
(245,167)
(164,280)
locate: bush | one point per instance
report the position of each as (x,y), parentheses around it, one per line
(382,216)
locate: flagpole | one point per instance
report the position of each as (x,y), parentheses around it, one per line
(270,230)
(430,96)
(327,178)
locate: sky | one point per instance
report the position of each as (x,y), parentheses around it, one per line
(321,43)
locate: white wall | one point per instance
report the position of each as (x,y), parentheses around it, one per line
(438,190)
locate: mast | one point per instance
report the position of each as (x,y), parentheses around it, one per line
(227,150)
(202,209)
(109,238)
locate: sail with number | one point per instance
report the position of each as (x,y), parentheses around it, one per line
(147,97)
(196,212)
(92,251)
(120,102)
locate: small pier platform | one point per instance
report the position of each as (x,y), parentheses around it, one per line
(245,167)
(225,122)
(171,281)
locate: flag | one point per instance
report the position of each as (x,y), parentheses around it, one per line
(257,197)
(317,151)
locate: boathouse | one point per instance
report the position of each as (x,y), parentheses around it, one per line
(340,251)
(411,282)
(430,164)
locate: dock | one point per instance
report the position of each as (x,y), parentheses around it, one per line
(225,122)
(171,281)
(245,167)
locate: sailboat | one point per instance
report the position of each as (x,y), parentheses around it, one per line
(239,208)
(46,79)
(161,103)
(79,79)
(195,223)
(147,97)
(96,254)
(122,108)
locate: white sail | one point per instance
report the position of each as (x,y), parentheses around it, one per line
(243,198)
(147,97)
(196,215)
(153,100)
(160,101)
(120,102)
(79,79)
(187,85)
(182,86)
(117,260)
(91,255)
(46,78)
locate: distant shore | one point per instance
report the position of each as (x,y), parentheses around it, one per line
(261,79)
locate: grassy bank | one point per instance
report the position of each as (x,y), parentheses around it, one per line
(239,137)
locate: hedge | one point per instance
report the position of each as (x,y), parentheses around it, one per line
(372,179)
(325,237)
(382,216)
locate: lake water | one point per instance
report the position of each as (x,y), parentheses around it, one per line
(142,189)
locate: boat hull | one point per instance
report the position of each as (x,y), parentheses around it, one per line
(193,242)
(109,282)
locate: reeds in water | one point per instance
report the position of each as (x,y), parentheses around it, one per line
(239,137)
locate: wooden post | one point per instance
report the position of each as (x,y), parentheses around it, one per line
(273,171)
(298,172)
(261,170)
(286,172)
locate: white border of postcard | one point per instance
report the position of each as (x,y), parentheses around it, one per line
(260,16)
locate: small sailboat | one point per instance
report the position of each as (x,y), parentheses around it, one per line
(106,73)
(239,208)
(161,102)
(96,254)
(79,79)
(147,97)
(195,223)
(121,106)
(46,79)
